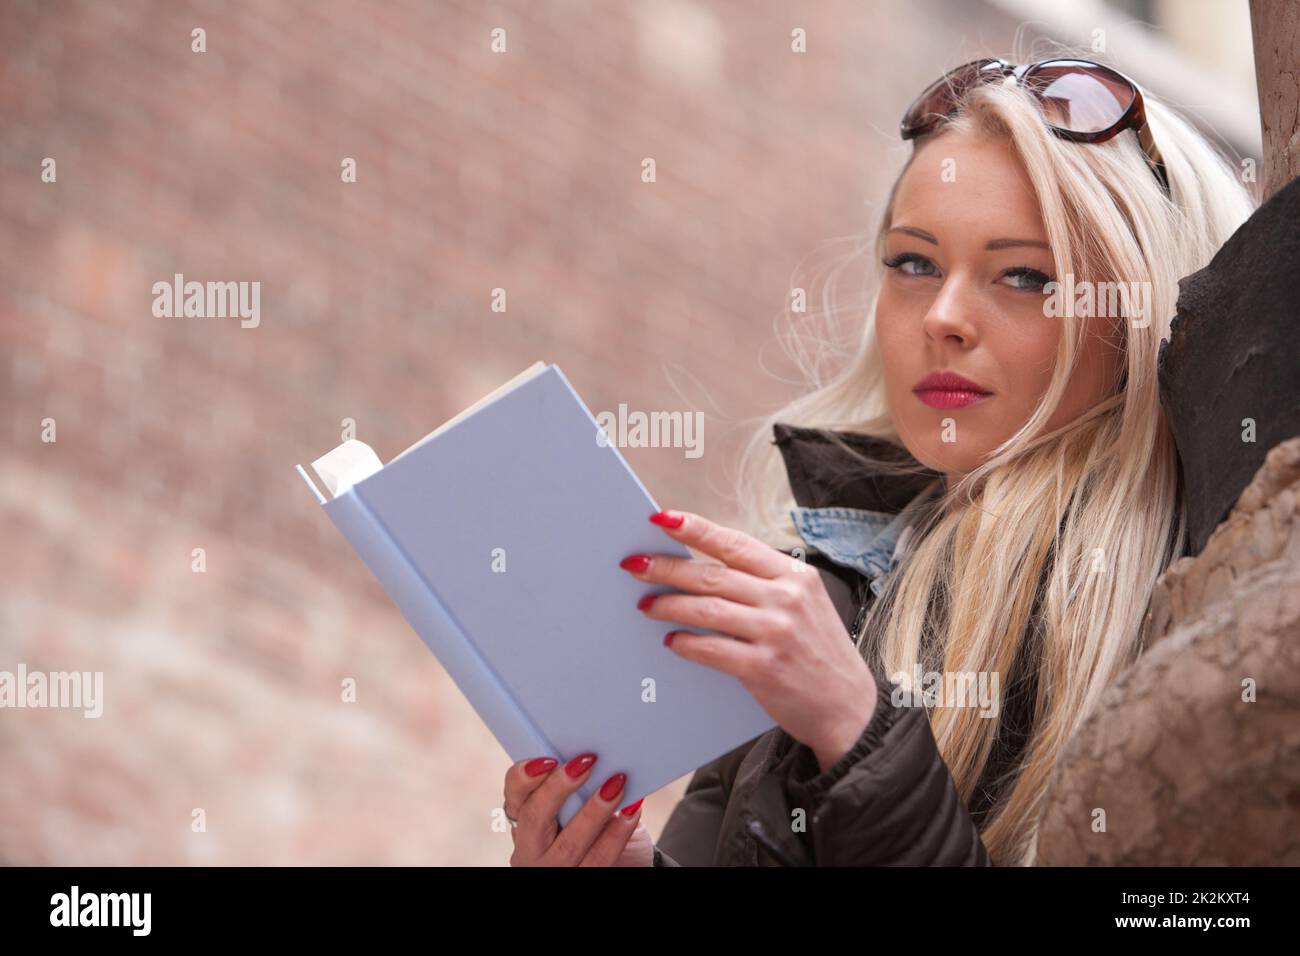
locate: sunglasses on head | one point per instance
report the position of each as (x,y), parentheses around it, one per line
(1080,101)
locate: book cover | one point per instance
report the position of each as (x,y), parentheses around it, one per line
(499,538)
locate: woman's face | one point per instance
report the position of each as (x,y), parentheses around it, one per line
(968,260)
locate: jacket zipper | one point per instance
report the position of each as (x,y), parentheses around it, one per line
(857,623)
(864,602)
(756,828)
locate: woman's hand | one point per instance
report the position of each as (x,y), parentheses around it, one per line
(596,836)
(792,652)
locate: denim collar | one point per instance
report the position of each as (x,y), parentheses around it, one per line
(866,541)
(854,516)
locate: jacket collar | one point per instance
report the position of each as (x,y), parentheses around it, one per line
(855,515)
(822,474)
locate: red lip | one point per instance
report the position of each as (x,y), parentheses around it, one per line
(949,390)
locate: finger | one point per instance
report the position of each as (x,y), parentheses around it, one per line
(522,779)
(611,843)
(732,547)
(538,825)
(711,613)
(579,834)
(698,577)
(740,659)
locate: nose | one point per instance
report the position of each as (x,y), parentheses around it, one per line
(952,316)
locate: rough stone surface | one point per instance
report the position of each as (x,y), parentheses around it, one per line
(1187,771)
(1233,356)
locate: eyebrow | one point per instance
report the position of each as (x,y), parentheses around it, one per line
(992,246)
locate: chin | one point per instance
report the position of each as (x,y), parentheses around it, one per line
(950,458)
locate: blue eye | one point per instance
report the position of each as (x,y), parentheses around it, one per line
(909,258)
(1028,279)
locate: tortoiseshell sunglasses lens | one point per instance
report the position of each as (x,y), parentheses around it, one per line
(940,97)
(1077,96)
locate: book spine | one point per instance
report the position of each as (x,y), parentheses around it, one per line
(454,649)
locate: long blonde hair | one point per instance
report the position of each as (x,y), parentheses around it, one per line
(1054,543)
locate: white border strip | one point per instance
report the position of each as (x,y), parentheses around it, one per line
(310,484)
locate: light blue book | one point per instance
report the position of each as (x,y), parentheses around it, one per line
(499,537)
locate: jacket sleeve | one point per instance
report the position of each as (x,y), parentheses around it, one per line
(889,801)
(690,837)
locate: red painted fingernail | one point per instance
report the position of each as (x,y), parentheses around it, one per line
(637,563)
(645,602)
(579,764)
(668,638)
(540,765)
(668,519)
(613,786)
(631,808)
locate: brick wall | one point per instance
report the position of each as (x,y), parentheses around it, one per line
(474,171)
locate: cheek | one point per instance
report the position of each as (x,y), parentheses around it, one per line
(1098,363)
(1025,354)
(896,339)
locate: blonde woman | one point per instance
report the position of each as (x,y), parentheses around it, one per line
(988,492)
